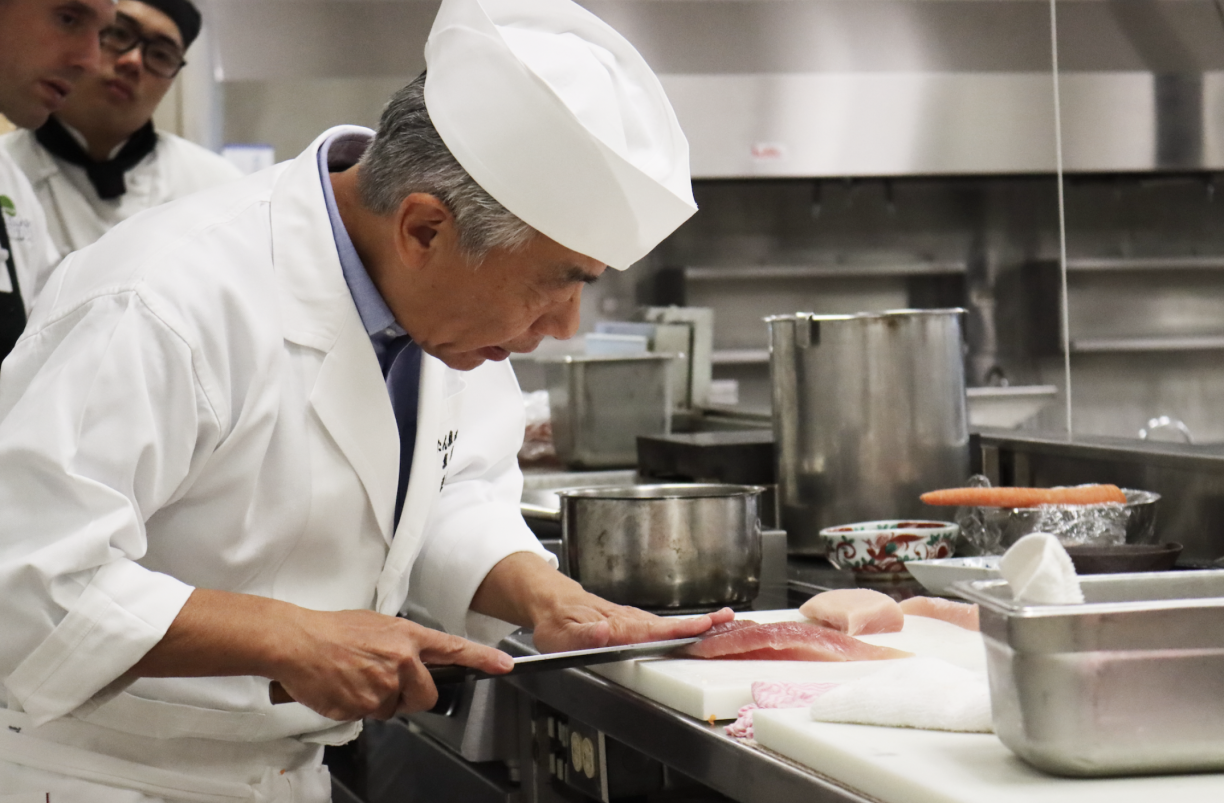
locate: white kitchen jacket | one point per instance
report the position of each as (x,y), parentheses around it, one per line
(195,402)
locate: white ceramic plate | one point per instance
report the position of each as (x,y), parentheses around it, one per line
(937,576)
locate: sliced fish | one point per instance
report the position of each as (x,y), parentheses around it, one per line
(855,611)
(785,641)
(961,614)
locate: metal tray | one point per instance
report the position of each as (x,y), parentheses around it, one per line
(1131,682)
(599,405)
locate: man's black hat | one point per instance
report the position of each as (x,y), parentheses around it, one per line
(185,15)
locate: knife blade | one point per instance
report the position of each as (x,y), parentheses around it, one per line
(545,662)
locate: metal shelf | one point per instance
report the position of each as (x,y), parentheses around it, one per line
(1103,264)
(1119,345)
(740,356)
(886,269)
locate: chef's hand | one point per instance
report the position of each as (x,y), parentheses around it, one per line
(345,665)
(353,664)
(589,621)
(526,590)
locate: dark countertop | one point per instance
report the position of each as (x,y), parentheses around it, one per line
(807,577)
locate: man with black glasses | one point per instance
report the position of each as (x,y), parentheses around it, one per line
(98,160)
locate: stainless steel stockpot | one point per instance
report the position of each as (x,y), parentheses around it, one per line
(664,546)
(869,412)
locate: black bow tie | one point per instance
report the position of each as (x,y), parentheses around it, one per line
(106,177)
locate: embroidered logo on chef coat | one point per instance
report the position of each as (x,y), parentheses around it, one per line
(446,448)
(19,228)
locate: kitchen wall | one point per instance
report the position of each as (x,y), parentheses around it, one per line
(288,113)
(289,69)
(873,88)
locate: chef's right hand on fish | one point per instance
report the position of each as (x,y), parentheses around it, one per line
(524,589)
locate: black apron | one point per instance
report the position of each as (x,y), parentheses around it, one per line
(12,308)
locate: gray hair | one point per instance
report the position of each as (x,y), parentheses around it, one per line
(408,155)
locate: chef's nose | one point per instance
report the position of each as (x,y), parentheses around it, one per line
(131,61)
(86,55)
(561,319)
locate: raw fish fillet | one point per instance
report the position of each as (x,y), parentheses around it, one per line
(855,611)
(727,627)
(786,641)
(961,614)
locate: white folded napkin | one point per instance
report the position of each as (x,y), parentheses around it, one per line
(924,693)
(1039,571)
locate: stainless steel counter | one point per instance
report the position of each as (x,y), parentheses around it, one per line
(699,750)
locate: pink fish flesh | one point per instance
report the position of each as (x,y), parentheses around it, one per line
(775,694)
(744,640)
(855,611)
(961,614)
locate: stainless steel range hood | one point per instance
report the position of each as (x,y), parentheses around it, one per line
(804,88)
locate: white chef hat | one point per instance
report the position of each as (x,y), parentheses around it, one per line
(560,119)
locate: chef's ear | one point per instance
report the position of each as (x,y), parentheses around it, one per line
(422,225)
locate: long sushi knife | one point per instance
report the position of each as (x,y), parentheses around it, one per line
(545,662)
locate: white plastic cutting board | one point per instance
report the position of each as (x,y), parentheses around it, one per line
(902,765)
(718,689)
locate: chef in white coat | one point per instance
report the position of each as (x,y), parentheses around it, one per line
(46,47)
(99,159)
(245,429)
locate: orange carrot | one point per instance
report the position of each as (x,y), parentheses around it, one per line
(1025,497)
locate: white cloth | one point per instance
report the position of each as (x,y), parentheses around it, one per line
(77,216)
(1039,571)
(34,255)
(53,758)
(924,693)
(560,119)
(196,403)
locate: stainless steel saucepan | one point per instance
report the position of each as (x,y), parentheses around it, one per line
(664,546)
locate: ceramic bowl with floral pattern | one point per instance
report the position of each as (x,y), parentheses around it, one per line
(878,550)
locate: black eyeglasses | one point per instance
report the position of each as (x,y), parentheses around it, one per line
(161,56)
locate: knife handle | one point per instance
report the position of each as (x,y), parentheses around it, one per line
(278,694)
(441,676)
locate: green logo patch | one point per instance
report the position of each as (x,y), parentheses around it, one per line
(6,203)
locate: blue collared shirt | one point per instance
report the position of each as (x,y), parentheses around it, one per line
(398,356)
(339,152)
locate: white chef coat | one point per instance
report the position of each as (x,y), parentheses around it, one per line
(77,216)
(195,402)
(33,253)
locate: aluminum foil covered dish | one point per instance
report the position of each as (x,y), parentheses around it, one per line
(990,530)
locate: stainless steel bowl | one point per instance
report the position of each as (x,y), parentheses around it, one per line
(664,546)
(991,530)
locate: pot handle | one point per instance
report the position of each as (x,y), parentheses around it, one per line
(1164,422)
(531,511)
(807,333)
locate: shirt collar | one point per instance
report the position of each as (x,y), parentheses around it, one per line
(339,152)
